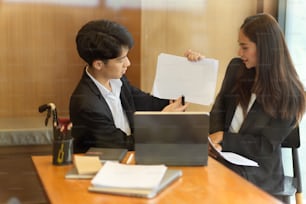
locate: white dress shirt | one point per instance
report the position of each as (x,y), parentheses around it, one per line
(113,100)
(238,117)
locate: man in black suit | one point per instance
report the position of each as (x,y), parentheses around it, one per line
(103,103)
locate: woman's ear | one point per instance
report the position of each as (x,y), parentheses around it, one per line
(97,64)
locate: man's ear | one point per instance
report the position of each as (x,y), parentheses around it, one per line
(97,64)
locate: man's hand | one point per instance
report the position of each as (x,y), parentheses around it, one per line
(176,106)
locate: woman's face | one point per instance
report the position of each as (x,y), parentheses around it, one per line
(247,51)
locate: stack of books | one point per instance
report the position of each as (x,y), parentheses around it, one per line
(133,180)
(108,175)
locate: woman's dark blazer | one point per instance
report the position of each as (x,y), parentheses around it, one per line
(93,123)
(259,137)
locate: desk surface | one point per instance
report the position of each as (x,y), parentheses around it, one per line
(210,184)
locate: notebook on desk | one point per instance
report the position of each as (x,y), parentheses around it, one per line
(171,138)
(170,176)
(74,174)
(107,154)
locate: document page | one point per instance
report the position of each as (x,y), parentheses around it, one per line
(129,176)
(233,157)
(176,76)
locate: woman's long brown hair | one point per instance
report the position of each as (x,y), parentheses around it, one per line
(276,82)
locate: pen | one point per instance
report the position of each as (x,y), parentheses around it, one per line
(52,108)
(183,100)
(129,160)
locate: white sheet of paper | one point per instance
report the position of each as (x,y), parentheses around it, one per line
(129,176)
(176,76)
(234,158)
(238,159)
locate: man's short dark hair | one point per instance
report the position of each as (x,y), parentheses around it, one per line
(102,40)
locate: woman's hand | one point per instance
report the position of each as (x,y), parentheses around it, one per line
(176,106)
(216,138)
(193,56)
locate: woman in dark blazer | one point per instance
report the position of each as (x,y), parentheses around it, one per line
(260,102)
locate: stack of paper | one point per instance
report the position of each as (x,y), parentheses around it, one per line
(145,181)
(129,176)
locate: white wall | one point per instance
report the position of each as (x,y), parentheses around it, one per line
(295,30)
(208,26)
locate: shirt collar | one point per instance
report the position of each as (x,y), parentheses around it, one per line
(115,84)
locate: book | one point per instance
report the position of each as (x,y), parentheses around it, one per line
(73,174)
(133,180)
(85,167)
(107,154)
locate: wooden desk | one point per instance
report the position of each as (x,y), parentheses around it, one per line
(211,184)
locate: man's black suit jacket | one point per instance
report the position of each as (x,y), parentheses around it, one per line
(259,137)
(93,123)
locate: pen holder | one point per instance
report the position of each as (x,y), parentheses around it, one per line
(62,145)
(62,151)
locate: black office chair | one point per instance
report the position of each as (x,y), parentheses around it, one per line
(293,184)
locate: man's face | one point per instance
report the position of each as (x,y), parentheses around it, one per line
(115,68)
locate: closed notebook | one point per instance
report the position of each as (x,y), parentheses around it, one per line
(73,174)
(169,177)
(107,154)
(85,167)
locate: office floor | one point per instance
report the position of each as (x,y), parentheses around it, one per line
(302,159)
(19,182)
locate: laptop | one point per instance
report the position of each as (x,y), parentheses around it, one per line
(171,138)
(170,176)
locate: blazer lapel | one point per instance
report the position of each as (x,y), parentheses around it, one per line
(92,86)
(255,117)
